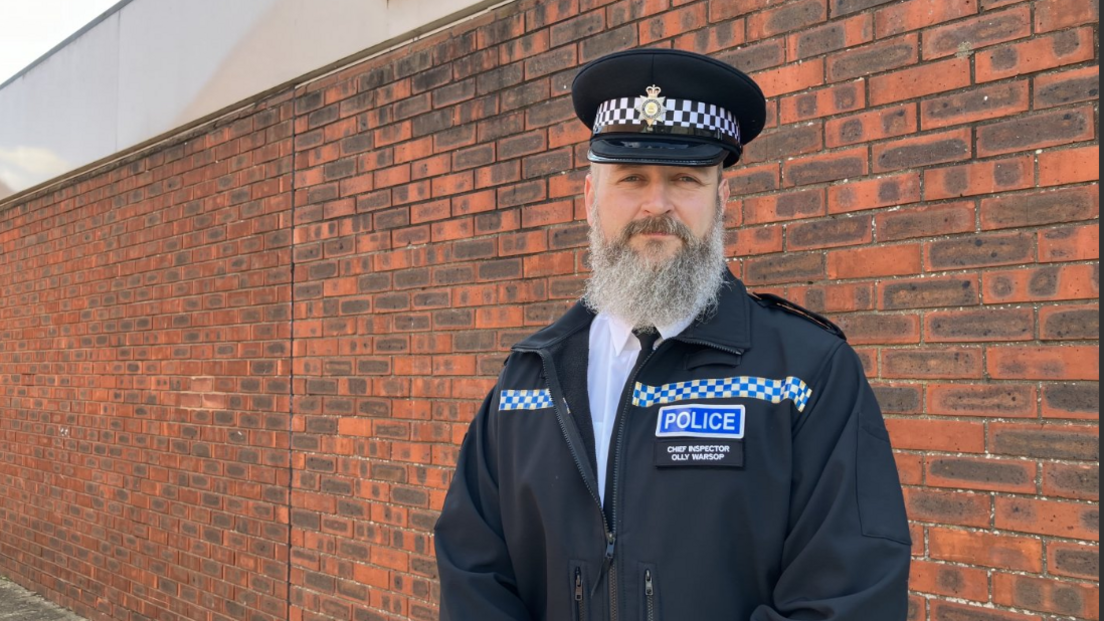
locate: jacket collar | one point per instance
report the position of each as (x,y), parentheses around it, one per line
(729,328)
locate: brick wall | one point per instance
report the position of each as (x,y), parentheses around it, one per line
(235,370)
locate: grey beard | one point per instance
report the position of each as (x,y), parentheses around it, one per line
(646,293)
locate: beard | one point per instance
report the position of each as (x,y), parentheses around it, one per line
(647,290)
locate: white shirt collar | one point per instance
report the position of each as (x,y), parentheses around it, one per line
(622,338)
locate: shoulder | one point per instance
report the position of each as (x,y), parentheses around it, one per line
(777,309)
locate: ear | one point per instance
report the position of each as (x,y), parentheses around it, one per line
(588,197)
(723,190)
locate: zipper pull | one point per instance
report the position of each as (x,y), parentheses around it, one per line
(611,541)
(578,585)
(649,588)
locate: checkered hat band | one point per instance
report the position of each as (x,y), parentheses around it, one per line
(680,113)
(775,391)
(512,400)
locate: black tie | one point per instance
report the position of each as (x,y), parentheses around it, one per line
(647,343)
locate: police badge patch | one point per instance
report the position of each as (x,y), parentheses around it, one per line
(652,108)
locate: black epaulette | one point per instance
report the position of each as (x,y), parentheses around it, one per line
(769,299)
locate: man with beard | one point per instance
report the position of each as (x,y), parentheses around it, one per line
(674,447)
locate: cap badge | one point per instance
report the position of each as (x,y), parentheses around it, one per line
(652,108)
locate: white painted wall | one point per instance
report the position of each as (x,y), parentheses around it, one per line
(157,65)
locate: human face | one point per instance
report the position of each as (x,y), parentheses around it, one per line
(628,193)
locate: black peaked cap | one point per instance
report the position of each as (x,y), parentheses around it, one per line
(681,75)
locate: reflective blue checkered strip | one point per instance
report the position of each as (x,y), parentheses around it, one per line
(775,391)
(524,400)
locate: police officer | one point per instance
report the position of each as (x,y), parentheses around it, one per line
(674,447)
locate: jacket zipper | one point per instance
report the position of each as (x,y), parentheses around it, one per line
(619,441)
(611,538)
(580,593)
(649,595)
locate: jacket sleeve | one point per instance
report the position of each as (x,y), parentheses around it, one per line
(477,576)
(847,551)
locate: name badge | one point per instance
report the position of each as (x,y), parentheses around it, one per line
(725,422)
(699,453)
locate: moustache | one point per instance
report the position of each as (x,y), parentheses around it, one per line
(657,225)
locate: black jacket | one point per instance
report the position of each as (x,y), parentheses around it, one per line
(799,516)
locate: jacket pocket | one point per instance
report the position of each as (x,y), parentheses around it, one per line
(649,583)
(580,593)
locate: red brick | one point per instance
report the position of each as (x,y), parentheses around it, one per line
(1079,482)
(902,17)
(979,104)
(1047,441)
(979,251)
(874,262)
(1058,14)
(918,82)
(952,146)
(825,168)
(1046,595)
(837,35)
(1045,363)
(874,193)
(926,221)
(754,179)
(778,144)
(948,508)
(880,329)
(976,326)
(874,58)
(672,23)
(1050,283)
(980,178)
(1037,131)
(723,10)
(1038,54)
(910,469)
(830,101)
(753,241)
(932,363)
(790,78)
(986,550)
(949,580)
(1058,323)
(829,233)
(1073,86)
(990,400)
(1070,243)
(936,435)
(968,35)
(784,268)
(945,611)
(1069,166)
(998,475)
(870,126)
(787,18)
(713,39)
(1073,401)
(834,297)
(1073,560)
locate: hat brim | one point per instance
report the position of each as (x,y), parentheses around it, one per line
(643,149)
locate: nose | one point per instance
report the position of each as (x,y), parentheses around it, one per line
(657,200)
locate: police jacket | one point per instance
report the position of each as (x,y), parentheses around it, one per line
(750,478)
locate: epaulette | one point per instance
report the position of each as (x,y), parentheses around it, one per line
(769,299)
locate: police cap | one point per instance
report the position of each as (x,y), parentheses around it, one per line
(667,107)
